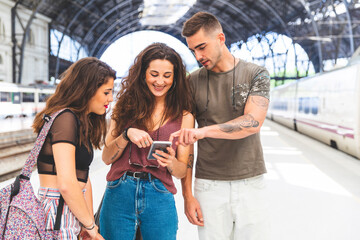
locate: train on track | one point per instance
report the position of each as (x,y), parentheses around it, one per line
(325,106)
(25,101)
(22,101)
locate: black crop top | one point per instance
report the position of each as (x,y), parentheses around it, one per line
(65,128)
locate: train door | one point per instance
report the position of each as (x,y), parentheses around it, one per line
(28,103)
(5,104)
(15,98)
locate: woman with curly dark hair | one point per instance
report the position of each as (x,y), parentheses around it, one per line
(154,102)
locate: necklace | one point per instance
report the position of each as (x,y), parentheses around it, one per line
(161,123)
(207,93)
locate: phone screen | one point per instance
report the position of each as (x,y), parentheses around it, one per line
(158,145)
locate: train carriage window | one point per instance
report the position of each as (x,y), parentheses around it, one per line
(28,97)
(285,106)
(315,105)
(306,105)
(300,105)
(43,97)
(5,97)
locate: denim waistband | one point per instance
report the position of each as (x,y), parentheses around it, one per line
(140,175)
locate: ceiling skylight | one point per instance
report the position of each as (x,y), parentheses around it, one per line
(164,12)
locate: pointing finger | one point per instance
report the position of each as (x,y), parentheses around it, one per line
(174,135)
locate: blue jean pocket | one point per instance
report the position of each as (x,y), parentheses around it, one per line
(114,184)
(159,186)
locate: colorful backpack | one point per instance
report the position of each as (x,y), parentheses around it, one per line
(21,213)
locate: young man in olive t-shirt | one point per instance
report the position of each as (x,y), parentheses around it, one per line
(231,100)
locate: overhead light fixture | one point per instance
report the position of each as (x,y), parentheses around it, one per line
(323,39)
(314,38)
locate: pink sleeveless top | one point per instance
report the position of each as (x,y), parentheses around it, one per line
(137,161)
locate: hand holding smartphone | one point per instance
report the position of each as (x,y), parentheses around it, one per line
(158,145)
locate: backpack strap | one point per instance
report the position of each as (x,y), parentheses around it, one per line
(31,161)
(32,158)
(59,213)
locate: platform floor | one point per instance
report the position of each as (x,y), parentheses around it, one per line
(314,189)
(15,124)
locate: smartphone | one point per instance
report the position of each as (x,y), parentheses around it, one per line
(158,145)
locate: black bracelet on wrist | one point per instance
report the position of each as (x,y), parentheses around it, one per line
(88,228)
(124,134)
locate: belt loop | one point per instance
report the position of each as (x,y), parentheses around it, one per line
(246,181)
(46,192)
(150,177)
(41,193)
(124,176)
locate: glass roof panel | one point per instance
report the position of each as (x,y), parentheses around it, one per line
(164,12)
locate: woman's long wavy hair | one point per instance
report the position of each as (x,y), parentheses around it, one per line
(78,85)
(136,103)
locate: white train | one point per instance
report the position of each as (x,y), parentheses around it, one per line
(22,101)
(324,106)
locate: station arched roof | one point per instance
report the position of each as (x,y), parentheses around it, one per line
(325,29)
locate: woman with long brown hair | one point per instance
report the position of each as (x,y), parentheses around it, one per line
(85,91)
(154,102)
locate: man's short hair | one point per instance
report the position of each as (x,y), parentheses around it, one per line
(200,20)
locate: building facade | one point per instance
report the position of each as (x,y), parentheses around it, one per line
(35,66)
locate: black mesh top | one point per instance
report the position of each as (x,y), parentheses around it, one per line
(65,128)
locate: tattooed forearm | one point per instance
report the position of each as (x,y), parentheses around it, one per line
(261,102)
(191,161)
(246,121)
(229,128)
(115,155)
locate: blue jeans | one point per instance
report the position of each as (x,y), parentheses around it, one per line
(130,203)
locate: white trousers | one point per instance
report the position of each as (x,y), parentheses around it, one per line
(233,210)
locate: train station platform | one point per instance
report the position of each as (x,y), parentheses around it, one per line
(314,189)
(15,124)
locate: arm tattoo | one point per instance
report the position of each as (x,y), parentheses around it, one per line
(115,155)
(261,102)
(191,161)
(170,170)
(246,121)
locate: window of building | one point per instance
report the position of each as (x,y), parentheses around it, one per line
(31,38)
(2,29)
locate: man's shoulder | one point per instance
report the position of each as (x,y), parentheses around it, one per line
(249,66)
(195,74)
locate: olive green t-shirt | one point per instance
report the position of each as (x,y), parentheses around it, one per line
(221,159)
